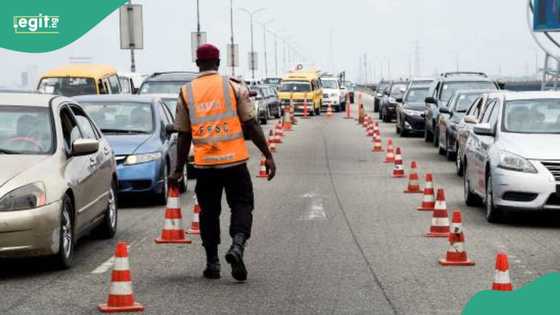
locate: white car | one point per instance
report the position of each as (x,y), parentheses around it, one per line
(332,93)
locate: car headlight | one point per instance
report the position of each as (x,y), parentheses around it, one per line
(514,162)
(142,158)
(379,94)
(413,112)
(24,198)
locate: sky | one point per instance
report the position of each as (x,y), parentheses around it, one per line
(397,38)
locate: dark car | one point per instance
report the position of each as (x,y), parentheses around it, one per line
(271,101)
(441,91)
(449,119)
(138,129)
(166,82)
(380,94)
(388,107)
(410,112)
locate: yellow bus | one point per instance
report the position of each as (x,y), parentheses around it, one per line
(80,79)
(301,85)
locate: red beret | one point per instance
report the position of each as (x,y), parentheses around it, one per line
(207,52)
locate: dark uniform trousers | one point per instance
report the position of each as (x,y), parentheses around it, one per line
(210,183)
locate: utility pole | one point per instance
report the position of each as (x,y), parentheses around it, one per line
(417,60)
(265,48)
(130,23)
(198,36)
(366,69)
(252,54)
(232,41)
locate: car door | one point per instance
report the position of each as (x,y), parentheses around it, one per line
(169,141)
(443,120)
(430,107)
(479,150)
(78,170)
(465,128)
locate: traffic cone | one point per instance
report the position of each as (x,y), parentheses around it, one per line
(348,109)
(377,146)
(195,224)
(287,122)
(413,186)
(293,115)
(276,136)
(370,132)
(428,202)
(456,254)
(390,156)
(502,281)
(440,217)
(173,231)
(262,169)
(280,131)
(121,297)
(329,111)
(398,170)
(376,128)
(271,144)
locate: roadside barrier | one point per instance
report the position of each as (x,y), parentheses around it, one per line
(428,201)
(456,254)
(413,185)
(173,231)
(121,297)
(502,281)
(398,170)
(440,217)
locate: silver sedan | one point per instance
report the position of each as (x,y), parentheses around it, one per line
(57,181)
(513,156)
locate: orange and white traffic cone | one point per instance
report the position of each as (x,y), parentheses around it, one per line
(280,131)
(348,108)
(195,224)
(121,297)
(502,281)
(287,122)
(456,254)
(329,111)
(428,202)
(390,156)
(271,143)
(293,115)
(376,128)
(398,170)
(262,169)
(413,185)
(440,217)
(173,231)
(370,132)
(367,121)
(377,145)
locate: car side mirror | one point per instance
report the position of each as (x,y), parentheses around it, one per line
(170,129)
(82,147)
(484,130)
(252,93)
(470,120)
(430,100)
(399,99)
(134,90)
(445,110)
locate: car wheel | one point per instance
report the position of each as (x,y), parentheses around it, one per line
(397,128)
(404,132)
(471,199)
(386,117)
(108,227)
(63,259)
(493,213)
(380,110)
(162,196)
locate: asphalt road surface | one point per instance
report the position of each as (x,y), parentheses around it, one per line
(333,234)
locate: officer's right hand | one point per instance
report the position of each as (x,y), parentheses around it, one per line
(270,168)
(174,179)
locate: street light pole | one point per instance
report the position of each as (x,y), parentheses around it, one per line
(265,48)
(198,35)
(232,41)
(251,15)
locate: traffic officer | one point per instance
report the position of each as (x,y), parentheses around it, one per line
(215,114)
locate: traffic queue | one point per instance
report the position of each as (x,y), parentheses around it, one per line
(505,144)
(90,135)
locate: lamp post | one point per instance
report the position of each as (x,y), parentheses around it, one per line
(265,47)
(251,15)
(231,40)
(198,23)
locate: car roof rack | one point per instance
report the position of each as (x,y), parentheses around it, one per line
(460,73)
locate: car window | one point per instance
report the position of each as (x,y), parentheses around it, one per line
(116,117)
(26,130)
(494,115)
(126,85)
(70,130)
(67,86)
(473,110)
(114,84)
(86,126)
(490,104)
(164,115)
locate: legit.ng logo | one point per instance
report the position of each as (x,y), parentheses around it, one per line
(36,24)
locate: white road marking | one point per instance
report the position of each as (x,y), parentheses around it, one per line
(314,208)
(108,264)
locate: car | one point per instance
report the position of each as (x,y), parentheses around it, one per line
(449,119)
(410,110)
(261,109)
(380,93)
(332,94)
(442,89)
(388,107)
(58,179)
(80,79)
(513,156)
(140,130)
(271,100)
(166,82)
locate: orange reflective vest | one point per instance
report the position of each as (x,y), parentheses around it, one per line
(216,128)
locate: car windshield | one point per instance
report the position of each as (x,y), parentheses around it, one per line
(416,95)
(398,90)
(161,87)
(67,86)
(450,88)
(121,117)
(464,102)
(295,87)
(329,84)
(25,130)
(532,116)
(171,104)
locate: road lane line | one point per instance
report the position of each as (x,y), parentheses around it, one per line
(108,264)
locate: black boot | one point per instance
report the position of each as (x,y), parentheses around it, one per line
(212,270)
(235,258)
